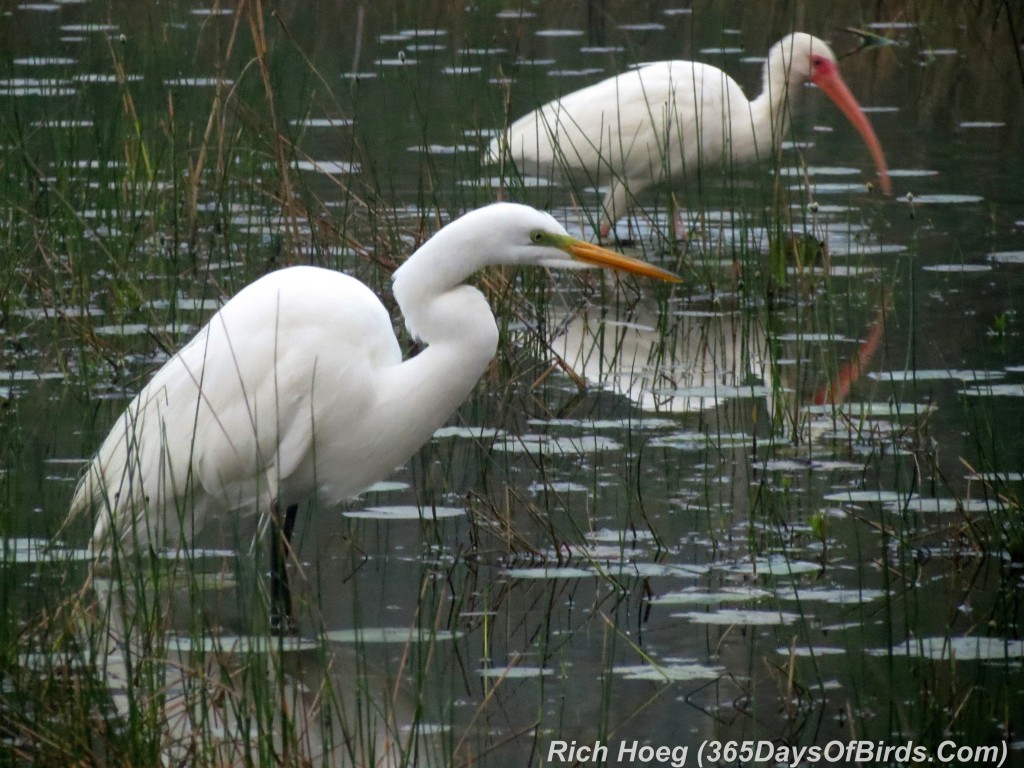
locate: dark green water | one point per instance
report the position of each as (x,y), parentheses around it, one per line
(689,549)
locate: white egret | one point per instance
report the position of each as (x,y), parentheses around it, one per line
(671,120)
(297,389)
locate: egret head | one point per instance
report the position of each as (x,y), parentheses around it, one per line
(520,235)
(430,286)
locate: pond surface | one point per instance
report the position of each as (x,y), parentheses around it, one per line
(778,503)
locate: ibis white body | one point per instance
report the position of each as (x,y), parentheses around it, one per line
(672,121)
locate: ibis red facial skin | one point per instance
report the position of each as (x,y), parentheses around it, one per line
(670,120)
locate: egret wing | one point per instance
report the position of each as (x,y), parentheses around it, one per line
(230,418)
(294,365)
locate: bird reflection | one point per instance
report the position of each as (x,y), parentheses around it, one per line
(179,672)
(706,358)
(695,361)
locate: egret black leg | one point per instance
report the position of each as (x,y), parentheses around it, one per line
(281,618)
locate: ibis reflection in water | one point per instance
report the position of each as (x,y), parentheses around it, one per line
(702,359)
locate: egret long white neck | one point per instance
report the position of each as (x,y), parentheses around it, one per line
(455,322)
(423,283)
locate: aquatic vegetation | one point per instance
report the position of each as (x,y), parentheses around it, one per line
(781,502)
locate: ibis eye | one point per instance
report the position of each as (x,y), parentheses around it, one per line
(817,61)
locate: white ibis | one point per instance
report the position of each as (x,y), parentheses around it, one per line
(671,120)
(297,389)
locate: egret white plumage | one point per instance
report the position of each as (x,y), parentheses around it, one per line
(297,388)
(671,120)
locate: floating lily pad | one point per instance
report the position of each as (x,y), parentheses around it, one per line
(565,445)
(101,78)
(239,644)
(174,555)
(322,122)
(716,597)
(90,27)
(936,374)
(141,329)
(600,553)
(22,550)
(997,477)
(940,505)
(187,303)
(45,61)
(819,170)
(699,441)
(804,651)
(721,50)
(26,375)
(958,268)
(552,572)
(612,536)
(961,648)
(559,33)
(327,166)
(729,616)
(654,570)
(383,635)
(32,86)
(557,486)
(808,465)
(405,512)
(943,199)
(866,497)
(670,673)
(864,249)
(197,82)
(833,596)
(716,392)
(836,188)
(995,390)
(472,433)
(774,565)
(515,673)
(441,149)
(212,11)
(886,410)
(387,486)
(648,26)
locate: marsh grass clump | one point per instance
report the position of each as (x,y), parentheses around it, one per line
(121,234)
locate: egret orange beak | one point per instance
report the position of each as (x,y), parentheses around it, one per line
(602,257)
(827,77)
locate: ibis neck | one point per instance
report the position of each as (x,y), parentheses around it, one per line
(770,111)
